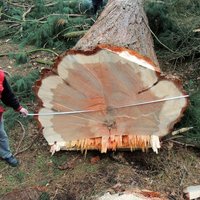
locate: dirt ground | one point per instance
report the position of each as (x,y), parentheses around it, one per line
(76,176)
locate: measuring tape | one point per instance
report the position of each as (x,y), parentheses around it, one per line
(90,111)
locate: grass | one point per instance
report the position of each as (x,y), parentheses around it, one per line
(36,168)
(171,170)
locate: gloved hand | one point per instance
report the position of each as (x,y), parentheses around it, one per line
(23,111)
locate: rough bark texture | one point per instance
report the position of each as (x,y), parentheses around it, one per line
(122,23)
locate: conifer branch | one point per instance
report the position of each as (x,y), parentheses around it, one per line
(42,49)
(57,14)
(75,34)
(20,21)
(25,5)
(16,20)
(68,15)
(44,62)
(28,11)
(17,5)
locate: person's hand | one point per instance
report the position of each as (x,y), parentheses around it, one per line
(24,112)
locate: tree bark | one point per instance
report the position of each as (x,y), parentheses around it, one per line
(122,23)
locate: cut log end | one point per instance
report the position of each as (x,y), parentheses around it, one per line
(119,100)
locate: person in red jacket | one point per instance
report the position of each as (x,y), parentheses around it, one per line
(9,99)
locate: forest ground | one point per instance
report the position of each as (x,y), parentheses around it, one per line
(76,176)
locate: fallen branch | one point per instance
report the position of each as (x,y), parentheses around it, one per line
(7,73)
(56,192)
(13,26)
(44,62)
(4,169)
(42,49)
(23,6)
(26,5)
(184,172)
(173,135)
(182,130)
(17,5)
(16,19)
(196,30)
(28,11)
(36,137)
(11,22)
(75,34)
(22,138)
(68,15)
(182,143)
(158,39)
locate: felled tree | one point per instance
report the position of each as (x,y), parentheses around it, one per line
(108,96)
(122,23)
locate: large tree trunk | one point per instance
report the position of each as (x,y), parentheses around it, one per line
(112,97)
(122,23)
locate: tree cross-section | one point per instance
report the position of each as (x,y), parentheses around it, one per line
(107,98)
